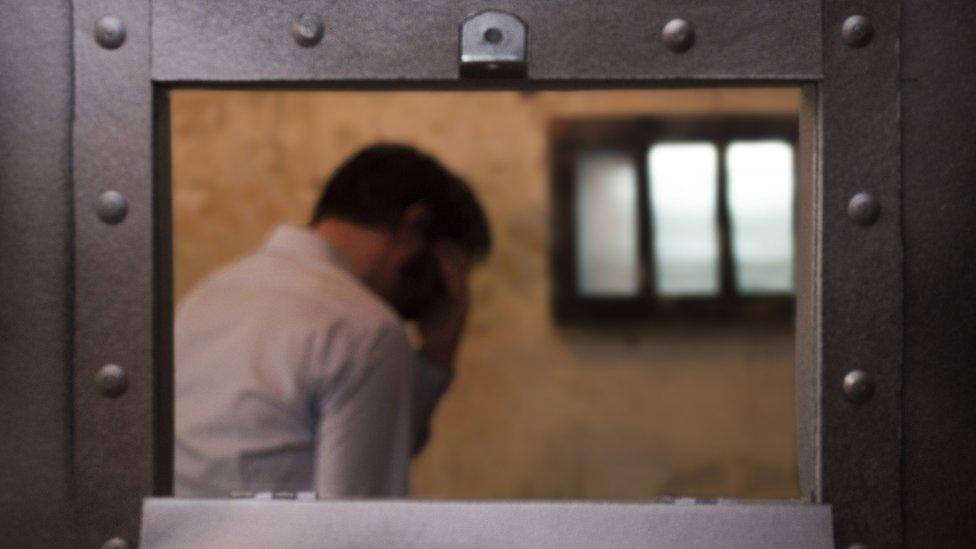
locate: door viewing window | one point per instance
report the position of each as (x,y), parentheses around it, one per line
(673,217)
(539,410)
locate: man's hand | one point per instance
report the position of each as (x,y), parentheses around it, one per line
(441,327)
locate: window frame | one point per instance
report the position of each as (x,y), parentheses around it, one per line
(849,455)
(633,136)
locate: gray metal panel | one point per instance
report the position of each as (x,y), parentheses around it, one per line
(35,273)
(861,276)
(114,438)
(175,523)
(604,42)
(939,163)
(251,40)
(121,448)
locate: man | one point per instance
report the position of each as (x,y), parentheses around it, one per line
(293,368)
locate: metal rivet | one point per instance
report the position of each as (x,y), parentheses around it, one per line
(678,35)
(863,209)
(858,386)
(109,32)
(857,31)
(308,30)
(493,35)
(111,380)
(112,207)
(115,543)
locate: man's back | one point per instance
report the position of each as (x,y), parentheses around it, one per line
(291,375)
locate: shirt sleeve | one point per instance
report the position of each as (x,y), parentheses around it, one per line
(364,433)
(430,384)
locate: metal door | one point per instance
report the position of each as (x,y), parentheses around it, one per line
(867,249)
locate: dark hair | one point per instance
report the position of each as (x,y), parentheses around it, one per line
(376,185)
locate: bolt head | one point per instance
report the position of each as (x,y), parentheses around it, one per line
(678,35)
(307,30)
(112,207)
(111,380)
(493,35)
(109,32)
(863,209)
(857,31)
(858,386)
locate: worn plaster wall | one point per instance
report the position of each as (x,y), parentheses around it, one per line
(536,411)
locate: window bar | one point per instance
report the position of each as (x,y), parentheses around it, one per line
(645,239)
(726,266)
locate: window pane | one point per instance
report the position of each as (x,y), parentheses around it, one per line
(685,221)
(606,225)
(760,196)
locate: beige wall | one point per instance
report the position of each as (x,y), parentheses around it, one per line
(536,411)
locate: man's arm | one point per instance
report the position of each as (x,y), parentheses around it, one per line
(430,384)
(441,330)
(364,433)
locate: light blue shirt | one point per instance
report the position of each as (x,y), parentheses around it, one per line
(292,375)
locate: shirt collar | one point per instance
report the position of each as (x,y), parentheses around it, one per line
(305,245)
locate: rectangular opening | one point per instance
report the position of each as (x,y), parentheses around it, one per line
(630,335)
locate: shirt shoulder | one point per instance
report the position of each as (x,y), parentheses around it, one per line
(284,288)
(327,320)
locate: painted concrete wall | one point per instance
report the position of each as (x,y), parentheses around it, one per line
(536,411)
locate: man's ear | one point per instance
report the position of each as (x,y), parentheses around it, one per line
(414,227)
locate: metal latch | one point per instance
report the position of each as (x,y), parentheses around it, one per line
(493,46)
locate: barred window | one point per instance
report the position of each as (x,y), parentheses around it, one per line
(672,218)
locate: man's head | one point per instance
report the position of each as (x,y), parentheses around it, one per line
(411,205)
